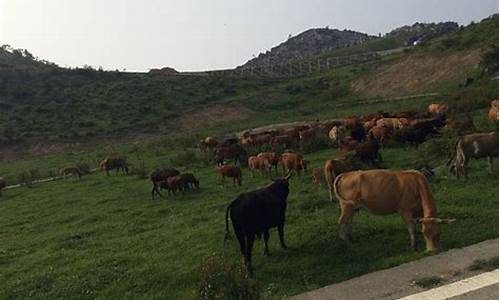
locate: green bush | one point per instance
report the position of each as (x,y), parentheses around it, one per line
(140,170)
(220,279)
(436,151)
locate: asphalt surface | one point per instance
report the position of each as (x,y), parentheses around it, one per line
(398,282)
(486,293)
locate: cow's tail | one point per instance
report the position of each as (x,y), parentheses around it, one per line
(337,192)
(227,236)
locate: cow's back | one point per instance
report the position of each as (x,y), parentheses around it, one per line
(380,191)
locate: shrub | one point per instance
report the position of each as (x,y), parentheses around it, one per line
(25,178)
(436,151)
(140,170)
(220,279)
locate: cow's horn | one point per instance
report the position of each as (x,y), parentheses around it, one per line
(288,175)
(446,221)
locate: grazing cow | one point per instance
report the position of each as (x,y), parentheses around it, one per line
(159,176)
(476,145)
(282,140)
(317,178)
(261,140)
(369,124)
(272,158)
(348,144)
(189,182)
(254,213)
(182,182)
(380,134)
(117,163)
(350,122)
(229,171)
(261,164)
(234,151)
(336,134)
(208,143)
(335,167)
(410,135)
(384,192)
(308,134)
(435,108)
(462,125)
(393,123)
(358,132)
(73,171)
(3,184)
(368,152)
(493,112)
(293,162)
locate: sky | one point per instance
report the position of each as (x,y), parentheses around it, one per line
(195,35)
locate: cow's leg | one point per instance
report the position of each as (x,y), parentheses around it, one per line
(250,238)
(241,239)
(490,165)
(412,229)
(266,239)
(347,212)
(281,233)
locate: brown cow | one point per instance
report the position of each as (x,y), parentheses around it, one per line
(335,167)
(384,192)
(393,123)
(229,171)
(272,158)
(462,125)
(3,184)
(293,162)
(208,143)
(117,163)
(368,152)
(348,144)
(317,178)
(308,134)
(159,176)
(233,151)
(476,145)
(73,171)
(261,164)
(436,108)
(380,134)
(350,122)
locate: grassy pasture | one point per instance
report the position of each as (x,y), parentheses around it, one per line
(105,238)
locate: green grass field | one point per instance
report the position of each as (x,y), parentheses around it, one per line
(103,237)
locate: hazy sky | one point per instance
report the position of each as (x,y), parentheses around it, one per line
(200,35)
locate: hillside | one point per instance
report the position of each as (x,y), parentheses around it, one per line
(49,104)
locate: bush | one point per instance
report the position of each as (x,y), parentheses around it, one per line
(436,151)
(223,280)
(140,170)
(24,178)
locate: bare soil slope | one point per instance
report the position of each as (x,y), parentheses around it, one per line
(415,73)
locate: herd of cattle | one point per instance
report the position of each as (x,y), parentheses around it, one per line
(352,178)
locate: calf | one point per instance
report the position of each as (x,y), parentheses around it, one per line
(493,112)
(272,158)
(161,176)
(380,134)
(317,178)
(229,171)
(254,213)
(261,164)
(112,163)
(437,108)
(335,167)
(73,171)
(293,162)
(477,145)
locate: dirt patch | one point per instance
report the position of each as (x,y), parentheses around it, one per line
(415,73)
(218,113)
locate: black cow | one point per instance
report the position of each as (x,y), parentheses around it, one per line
(254,213)
(358,133)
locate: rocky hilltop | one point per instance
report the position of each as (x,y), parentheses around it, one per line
(310,42)
(420,32)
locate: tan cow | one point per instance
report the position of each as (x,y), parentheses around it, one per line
(493,112)
(317,178)
(393,123)
(259,164)
(73,171)
(337,133)
(437,108)
(380,134)
(293,162)
(272,158)
(333,168)
(384,192)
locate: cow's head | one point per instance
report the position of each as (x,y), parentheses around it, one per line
(432,232)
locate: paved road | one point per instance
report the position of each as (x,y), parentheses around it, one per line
(397,282)
(486,293)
